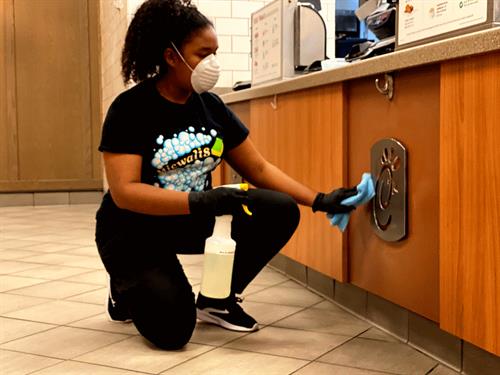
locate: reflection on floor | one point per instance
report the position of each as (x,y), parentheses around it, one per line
(52,289)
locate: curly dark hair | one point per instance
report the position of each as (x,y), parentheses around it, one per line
(155,24)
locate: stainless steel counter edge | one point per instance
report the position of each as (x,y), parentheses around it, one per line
(461,46)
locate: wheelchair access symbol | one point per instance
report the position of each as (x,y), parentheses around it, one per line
(388,167)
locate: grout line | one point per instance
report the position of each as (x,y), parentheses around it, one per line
(432,369)
(38,355)
(268,354)
(433,356)
(196,356)
(86,363)
(361,368)
(29,335)
(300,368)
(462,345)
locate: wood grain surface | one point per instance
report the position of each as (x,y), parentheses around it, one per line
(470,200)
(304,135)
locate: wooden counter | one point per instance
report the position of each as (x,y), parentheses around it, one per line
(447,115)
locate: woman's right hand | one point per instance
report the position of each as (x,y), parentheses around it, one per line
(216,202)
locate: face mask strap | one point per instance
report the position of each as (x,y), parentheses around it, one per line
(182,58)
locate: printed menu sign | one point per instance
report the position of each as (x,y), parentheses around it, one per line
(420,19)
(267,43)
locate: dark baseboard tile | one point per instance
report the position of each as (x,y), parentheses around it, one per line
(279,262)
(296,271)
(426,335)
(85,197)
(351,297)
(477,361)
(388,315)
(51,198)
(16,199)
(320,283)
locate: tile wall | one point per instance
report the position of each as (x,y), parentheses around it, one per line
(114,22)
(232,22)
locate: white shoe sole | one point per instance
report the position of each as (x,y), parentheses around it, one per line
(207,317)
(126,321)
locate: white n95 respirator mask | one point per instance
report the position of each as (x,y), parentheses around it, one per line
(205,75)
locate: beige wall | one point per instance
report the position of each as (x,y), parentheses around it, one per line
(113,24)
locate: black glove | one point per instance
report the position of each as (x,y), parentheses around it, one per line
(216,202)
(330,203)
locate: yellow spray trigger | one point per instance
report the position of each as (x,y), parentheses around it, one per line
(245,207)
(247,211)
(244,187)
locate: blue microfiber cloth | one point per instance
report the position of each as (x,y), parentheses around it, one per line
(366,191)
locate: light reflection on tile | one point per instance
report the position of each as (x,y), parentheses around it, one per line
(14,363)
(288,343)
(226,361)
(138,355)
(63,342)
(380,356)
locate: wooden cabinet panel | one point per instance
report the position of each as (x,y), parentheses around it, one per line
(53,91)
(8,128)
(52,122)
(302,133)
(469,200)
(225,174)
(404,272)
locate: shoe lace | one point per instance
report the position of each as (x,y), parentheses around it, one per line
(233,304)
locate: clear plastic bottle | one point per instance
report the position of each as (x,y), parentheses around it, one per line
(219,255)
(218,260)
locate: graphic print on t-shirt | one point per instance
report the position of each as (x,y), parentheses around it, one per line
(184,161)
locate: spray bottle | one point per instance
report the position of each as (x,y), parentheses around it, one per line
(219,255)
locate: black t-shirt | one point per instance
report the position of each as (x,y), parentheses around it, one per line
(180,144)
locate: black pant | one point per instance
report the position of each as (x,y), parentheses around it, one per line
(139,253)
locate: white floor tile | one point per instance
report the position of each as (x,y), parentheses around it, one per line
(335,321)
(11,282)
(13,363)
(288,343)
(12,302)
(227,361)
(63,342)
(102,323)
(380,356)
(75,368)
(56,312)
(286,296)
(11,329)
(138,355)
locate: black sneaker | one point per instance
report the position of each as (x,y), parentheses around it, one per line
(117,312)
(225,313)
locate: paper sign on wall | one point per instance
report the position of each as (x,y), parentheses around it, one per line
(420,19)
(267,43)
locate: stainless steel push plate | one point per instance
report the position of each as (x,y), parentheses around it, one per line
(388,159)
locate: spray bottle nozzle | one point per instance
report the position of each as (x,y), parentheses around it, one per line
(241,186)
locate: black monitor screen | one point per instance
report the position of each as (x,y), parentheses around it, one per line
(346,22)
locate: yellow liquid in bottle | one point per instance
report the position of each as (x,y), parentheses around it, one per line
(218,260)
(217,273)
